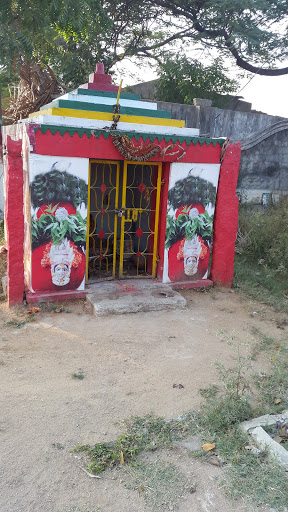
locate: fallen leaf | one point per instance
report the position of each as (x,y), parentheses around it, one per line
(278,439)
(277,401)
(207,447)
(121,458)
(215,461)
(34,310)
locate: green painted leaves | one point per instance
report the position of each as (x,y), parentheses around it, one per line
(49,228)
(58,187)
(185,227)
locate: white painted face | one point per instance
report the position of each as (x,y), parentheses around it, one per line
(60,274)
(192,249)
(190,265)
(61,257)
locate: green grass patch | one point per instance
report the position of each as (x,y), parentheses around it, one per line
(262,283)
(14,323)
(161,485)
(258,480)
(261,262)
(141,434)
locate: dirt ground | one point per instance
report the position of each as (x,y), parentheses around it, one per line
(129,363)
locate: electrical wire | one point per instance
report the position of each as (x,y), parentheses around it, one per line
(237,94)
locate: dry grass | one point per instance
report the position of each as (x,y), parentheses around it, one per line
(37,87)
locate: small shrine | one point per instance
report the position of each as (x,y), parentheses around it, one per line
(101,185)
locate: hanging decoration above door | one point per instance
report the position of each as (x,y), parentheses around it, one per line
(130,151)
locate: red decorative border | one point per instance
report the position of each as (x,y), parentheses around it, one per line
(14,221)
(104,149)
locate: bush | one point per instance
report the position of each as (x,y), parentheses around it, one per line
(261,262)
(263,235)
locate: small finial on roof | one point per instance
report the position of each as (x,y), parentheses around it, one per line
(100,68)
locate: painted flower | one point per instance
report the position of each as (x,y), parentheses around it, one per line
(61,213)
(194,212)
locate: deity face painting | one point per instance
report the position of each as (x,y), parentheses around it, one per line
(190,265)
(191,252)
(61,258)
(60,274)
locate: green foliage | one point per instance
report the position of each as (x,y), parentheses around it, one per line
(58,187)
(49,228)
(257,480)
(273,386)
(191,190)
(72,36)
(261,283)
(262,254)
(67,35)
(181,80)
(185,227)
(265,235)
(142,434)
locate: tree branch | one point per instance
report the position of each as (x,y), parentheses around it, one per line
(249,67)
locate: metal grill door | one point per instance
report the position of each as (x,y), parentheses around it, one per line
(102,219)
(141,189)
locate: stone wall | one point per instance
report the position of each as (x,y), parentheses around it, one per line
(264,143)
(264,164)
(235,125)
(216,122)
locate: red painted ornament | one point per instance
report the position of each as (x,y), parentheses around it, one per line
(184,264)
(42,269)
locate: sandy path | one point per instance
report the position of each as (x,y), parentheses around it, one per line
(130,364)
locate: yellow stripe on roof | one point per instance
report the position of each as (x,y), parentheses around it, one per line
(103,116)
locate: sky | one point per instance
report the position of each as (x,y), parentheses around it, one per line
(267,94)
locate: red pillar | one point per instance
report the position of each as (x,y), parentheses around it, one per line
(14,222)
(226,218)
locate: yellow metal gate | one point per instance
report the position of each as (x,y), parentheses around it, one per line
(122,240)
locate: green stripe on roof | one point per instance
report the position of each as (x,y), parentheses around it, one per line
(109,94)
(100,107)
(152,136)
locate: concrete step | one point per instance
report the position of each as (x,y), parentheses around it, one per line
(132,296)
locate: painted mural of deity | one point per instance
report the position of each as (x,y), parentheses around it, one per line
(58,200)
(191,202)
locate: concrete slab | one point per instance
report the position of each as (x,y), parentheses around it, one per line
(255,428)
(132,296)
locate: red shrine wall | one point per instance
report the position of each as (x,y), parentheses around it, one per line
(30,159)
